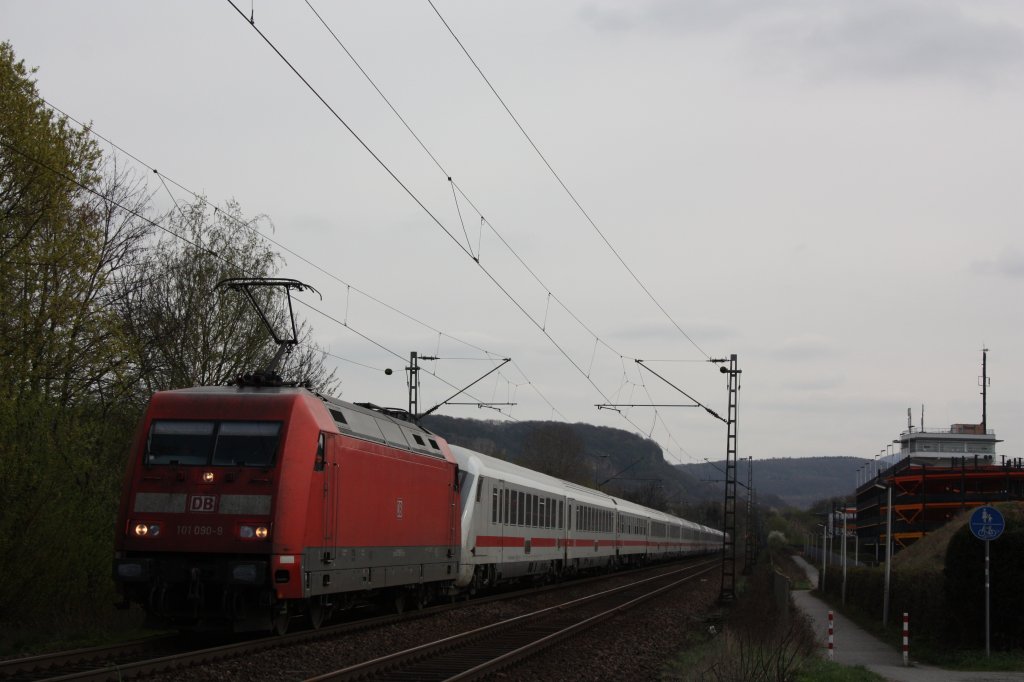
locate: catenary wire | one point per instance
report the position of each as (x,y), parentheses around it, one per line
(416,199)
(564,186)
(248,225)
(483,220)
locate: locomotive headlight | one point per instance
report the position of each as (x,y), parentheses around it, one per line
(247,532)
(208,477)
(147,530)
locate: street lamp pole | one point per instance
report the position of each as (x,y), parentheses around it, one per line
(888,549)
(845,538)
(888,553)
(824,554)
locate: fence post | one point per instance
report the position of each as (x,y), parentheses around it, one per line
(906,639)
(831,639)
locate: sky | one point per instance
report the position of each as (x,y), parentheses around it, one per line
(831,191)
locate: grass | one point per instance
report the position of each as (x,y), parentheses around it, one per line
(21,640)
(972,659)
(820,670)
(752,646)
(704,656)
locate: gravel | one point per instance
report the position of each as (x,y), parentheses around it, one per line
(635,645)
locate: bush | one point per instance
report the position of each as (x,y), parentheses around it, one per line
(964,586)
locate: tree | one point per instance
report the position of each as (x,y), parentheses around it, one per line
(64,238)
(555,449)
(186,330)
(650,494)
(70,227)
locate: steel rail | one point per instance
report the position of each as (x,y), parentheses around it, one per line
(32,667)
(523,636)
(106,663)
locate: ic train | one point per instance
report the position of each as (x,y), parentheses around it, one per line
(244,507)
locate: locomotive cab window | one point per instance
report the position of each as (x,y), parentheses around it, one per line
(186,443)
(198,443)
(246,444)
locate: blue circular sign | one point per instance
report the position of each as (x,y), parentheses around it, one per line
(987,523)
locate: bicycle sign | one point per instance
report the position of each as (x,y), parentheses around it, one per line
(987,523)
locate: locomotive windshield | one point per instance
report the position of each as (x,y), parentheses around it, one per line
(201,443)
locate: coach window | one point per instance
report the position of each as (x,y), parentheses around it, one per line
(536,511)
(522,508)
(494,506)
(514,504)
(507,518)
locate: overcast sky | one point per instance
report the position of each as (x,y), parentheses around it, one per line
(831,190)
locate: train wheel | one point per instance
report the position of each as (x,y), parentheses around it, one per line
(281,620)
(419,598)
(316,612)
(398,603)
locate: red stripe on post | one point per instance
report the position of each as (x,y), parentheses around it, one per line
(831,629)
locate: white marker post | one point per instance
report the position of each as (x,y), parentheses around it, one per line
(831,630)
(906,638)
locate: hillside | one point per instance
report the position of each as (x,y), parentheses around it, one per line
(620,461)
(796,482)
(624,463)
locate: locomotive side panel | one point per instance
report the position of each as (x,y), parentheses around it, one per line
(388,518)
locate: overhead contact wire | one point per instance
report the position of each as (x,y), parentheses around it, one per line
(564,186)
(358,139)
(248,225)
(416,199)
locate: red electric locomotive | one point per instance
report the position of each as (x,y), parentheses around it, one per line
(245,506)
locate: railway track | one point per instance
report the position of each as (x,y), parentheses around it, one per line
(62,663)
(162,655)
(490,649)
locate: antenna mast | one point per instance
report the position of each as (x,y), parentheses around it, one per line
(984,390)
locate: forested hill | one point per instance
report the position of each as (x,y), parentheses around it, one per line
(799,482)
(626,464)
(631,466)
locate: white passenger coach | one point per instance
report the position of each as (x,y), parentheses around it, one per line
(518,523)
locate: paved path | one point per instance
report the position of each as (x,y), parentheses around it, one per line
(854,646)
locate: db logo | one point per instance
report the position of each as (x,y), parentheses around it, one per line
(202,503)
